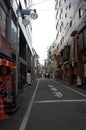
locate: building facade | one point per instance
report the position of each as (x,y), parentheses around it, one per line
(50,62)
(35,64)
(71,41)
(15,44)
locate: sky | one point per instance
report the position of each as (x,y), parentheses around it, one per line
(43,28)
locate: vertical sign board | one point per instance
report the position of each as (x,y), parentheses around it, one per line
(6,83)
(28,78)
(9,83)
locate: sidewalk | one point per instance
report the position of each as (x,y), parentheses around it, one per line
(23,99)
(81,88)
(68,84)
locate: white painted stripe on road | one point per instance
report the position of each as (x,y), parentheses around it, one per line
(26,117)
(58,94)
(50,86)
(53,89)
(71,89)
(60,101)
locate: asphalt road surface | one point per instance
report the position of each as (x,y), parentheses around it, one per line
(55,106)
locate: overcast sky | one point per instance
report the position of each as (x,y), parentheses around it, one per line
(43,28)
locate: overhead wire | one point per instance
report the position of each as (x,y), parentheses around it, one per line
(39,2)
(48,9)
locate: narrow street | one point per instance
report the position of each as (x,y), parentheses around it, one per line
(43,64)
(49,105)
(56,107)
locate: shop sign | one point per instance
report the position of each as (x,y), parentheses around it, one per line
(5,47)
(25,12)
(6,83)
(3,61)
(78,81)
(28,78)
(72,63)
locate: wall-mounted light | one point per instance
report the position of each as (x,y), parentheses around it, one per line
(34,15)
(29,12)
(71,17)
(25,21)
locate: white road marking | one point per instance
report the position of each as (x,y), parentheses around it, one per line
(26,117)
(53,89)
(58,94)
(71,89)
(61,101)
(50,86)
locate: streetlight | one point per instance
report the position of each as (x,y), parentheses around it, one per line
(30,12)
(23,13)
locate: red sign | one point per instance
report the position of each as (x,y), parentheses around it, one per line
(6,83)
(3,61)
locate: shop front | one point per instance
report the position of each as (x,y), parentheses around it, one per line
(7,75)
(82,55)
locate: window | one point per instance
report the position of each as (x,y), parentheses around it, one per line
(60,42)
(62,39)
(70,5)
(57,14)
(57,35)
(67,52)
(58,47)
(85,70)
(85,37)
(70,23)
(61,27)
(25,1)
(64,1)
(81,40)
(66,15)
(3,20)
(57,25)
(81,12)
(13,32)
(62,10)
